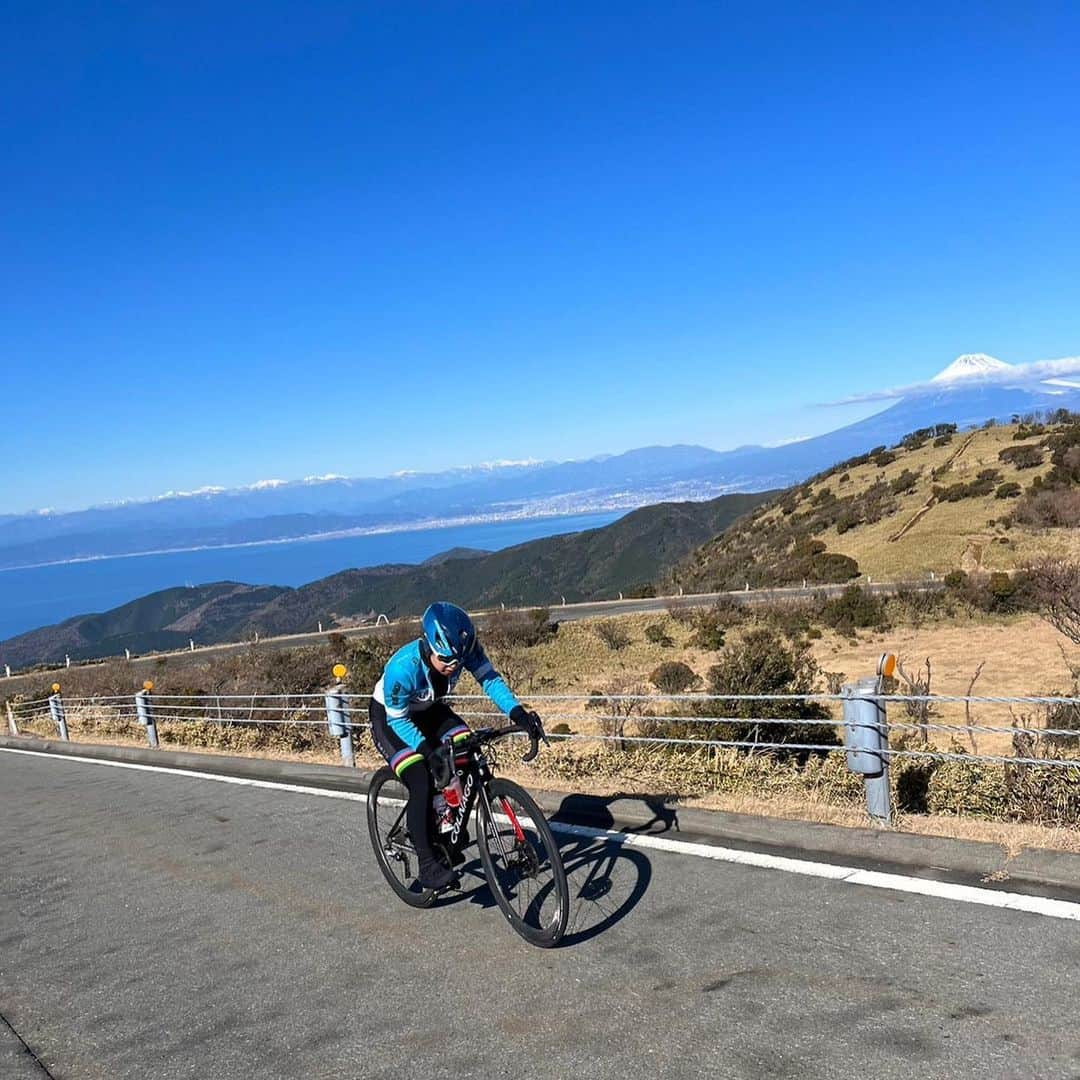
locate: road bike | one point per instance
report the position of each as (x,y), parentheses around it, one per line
(519,855)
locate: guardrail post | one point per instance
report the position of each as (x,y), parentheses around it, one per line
(337,716)
(13,727)
(867,741)
(56,710)
(145,711)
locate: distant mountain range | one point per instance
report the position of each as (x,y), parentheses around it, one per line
(971,390)
(597,564)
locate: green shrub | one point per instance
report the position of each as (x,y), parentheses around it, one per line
(903,483)
(762,663)
(1022,457)
(855,609)
(967,787)
(1009,490)
(674,677)
(956,580)
(709,630)
(655,634)
(849,519)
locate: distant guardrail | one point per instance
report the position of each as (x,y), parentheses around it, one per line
(560,610)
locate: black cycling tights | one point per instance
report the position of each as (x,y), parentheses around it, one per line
(419,814)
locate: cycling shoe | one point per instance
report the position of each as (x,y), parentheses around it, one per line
(436,876)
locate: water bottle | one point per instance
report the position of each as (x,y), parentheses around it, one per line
(453,793)
(443,814)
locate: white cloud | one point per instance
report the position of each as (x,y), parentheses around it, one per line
(1013,375)
(787,442)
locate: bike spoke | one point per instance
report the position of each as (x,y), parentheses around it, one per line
(522,866)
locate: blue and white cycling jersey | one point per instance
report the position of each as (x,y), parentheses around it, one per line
(405,688)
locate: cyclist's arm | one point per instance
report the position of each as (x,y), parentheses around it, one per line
(397,686)
(491,682)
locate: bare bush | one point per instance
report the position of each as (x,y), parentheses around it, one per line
(618,710)
(917,684)
(518,628)
(1049,508)
(1055,586)
(612,634)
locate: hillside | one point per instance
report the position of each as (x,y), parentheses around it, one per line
(985,500)
(162,620)
(597,564)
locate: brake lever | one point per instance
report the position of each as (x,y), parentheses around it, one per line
(534,749)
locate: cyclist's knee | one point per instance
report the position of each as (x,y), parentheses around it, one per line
(414,774)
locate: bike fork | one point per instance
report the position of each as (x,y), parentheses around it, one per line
(519,835)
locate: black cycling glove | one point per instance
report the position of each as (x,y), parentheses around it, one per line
(440,760)
(527,719)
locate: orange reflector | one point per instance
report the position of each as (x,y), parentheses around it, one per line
(887,665)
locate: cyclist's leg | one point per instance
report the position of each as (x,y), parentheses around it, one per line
(409,766)
(447,725)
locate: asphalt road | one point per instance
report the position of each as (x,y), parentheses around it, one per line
(162,926)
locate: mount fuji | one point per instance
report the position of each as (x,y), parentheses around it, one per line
(972,389)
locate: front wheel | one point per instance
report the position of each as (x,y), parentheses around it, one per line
(522,864)
(394,851)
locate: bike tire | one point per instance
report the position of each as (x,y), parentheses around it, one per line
(518,849)
(393,849)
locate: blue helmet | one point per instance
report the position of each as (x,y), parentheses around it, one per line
(448,631)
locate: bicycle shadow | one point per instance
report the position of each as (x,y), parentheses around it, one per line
(607,878)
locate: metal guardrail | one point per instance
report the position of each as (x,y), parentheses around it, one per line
(673,720)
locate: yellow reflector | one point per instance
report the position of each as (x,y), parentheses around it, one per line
(56,688)
(148,685)
(340,671)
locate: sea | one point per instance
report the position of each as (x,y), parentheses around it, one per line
(43,595)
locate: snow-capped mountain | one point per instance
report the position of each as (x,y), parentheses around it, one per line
(973,388)
(971,366)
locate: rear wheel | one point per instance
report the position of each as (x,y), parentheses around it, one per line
(394,850)
(522,863)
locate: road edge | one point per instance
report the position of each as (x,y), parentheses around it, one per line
(1034,871)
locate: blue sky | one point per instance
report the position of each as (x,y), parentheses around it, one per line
(287,240)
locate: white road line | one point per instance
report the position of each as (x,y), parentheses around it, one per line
(847,875)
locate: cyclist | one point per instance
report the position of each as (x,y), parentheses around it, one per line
(414,729)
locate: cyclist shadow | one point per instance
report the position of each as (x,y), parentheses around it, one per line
(607,877)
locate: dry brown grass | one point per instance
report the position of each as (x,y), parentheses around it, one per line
(1021,657)
(951,535)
